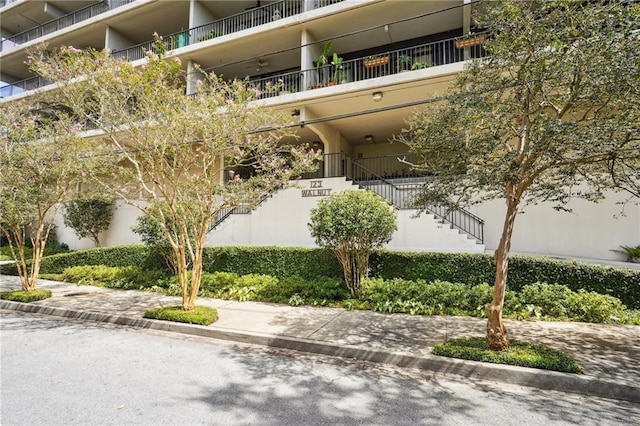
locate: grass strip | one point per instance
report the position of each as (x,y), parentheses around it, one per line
(522,354)
(26,296)
(202,315)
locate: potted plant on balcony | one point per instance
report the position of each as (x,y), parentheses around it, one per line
(404,63)
(420,65)
(376,61)
(469,41)
(339,74)
(320,64)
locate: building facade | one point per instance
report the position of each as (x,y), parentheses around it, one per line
(349,72)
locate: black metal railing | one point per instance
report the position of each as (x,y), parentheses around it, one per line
(225,212)
(413,58)
(231,24)
(392,166)
(62,22)
(331,165)
(21,86)
(404,195)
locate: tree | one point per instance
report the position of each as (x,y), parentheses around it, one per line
(352,224)
(554,105)
(89,215)
(41,166)
(165,149)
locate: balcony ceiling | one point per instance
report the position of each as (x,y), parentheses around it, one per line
(381,125)
(25,15)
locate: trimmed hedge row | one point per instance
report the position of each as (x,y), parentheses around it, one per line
(473,269)
(127,255)
(283,262)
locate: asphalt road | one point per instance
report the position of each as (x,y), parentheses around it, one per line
(58,372)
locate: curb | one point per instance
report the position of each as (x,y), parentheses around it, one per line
(530,377)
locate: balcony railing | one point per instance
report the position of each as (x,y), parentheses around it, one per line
(22,86)
(231,24)
(62,22)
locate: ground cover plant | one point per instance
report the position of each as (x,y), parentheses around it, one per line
(517,353)
(201,315)
(537,301)
(311,264)
(26,296)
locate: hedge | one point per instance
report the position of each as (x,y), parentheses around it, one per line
(283,262)
(473,269)
(127,255)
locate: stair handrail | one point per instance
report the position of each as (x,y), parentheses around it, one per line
(432,209)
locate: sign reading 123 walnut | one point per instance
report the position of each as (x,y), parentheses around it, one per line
(316,190)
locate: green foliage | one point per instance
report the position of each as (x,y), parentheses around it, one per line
(517,353)
(632,253)
(312,264)
(128,255)
(88,216)
(352,224)
(26,296)
(202,315)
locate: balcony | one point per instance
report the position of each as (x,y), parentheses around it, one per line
(61,22)
(408,59)
(231,24)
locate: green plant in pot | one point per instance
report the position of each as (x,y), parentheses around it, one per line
(339,74)
(632,253)
(321,62)
(404,63)
(420,65)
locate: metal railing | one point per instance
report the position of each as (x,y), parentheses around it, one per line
(248,19)
(404,195)
(62,22)
(422,56)
(391,166)
(22,86)
(331,165)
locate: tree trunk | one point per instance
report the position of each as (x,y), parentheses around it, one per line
(497,338)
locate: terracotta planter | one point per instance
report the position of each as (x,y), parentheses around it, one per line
(376,62)
(469,42)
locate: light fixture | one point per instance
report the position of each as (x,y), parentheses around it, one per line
(368,138)
(377,96)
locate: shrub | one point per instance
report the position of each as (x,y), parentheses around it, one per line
(352,224)
(127,255)
(593,307)
(89,216)
(127,277)
(517,353)
(26,296)
(202,315)
(547,299)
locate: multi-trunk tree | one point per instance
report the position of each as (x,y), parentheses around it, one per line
(551,113)
(42,164)
(172,155)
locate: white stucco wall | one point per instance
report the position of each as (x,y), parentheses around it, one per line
(591,231)
(124,217)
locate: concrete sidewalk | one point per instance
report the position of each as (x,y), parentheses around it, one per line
(609,354)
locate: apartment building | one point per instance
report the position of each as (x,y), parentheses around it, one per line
(391,58)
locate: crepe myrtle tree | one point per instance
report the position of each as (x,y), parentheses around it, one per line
(352,224)
(41,167)
(554,105)
(89,215)
(167,152)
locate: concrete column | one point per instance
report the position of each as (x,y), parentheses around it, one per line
(53,11)
(114,40)
(466,25)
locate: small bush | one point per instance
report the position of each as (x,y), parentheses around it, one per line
(517,353)
(548,300)
(202,315)
(593,307)
(26,296)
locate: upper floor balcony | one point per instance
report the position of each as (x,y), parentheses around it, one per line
(60,22)
(361,68)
